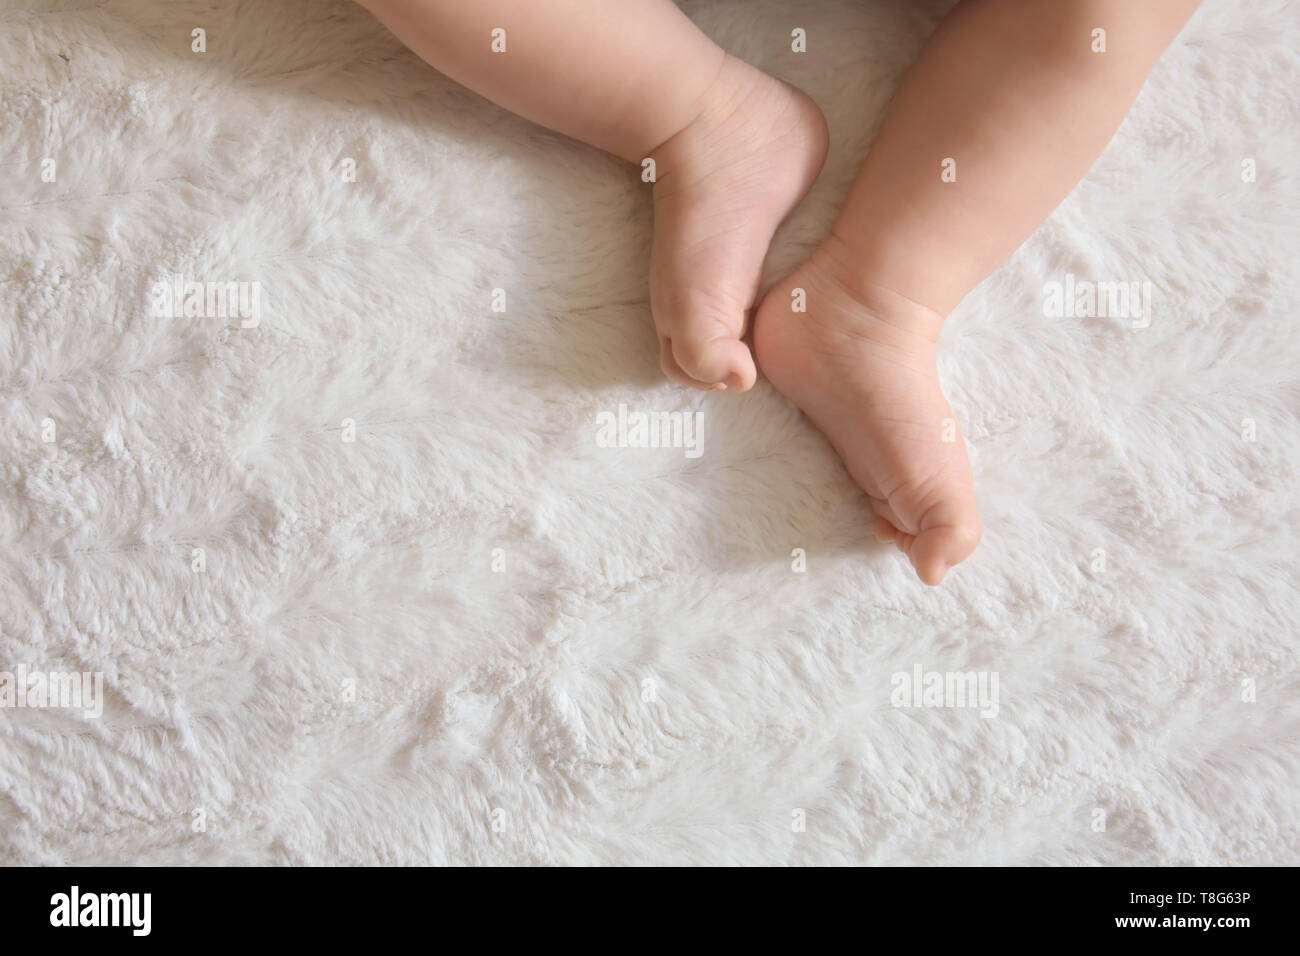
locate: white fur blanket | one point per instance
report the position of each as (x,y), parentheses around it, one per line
(362,585)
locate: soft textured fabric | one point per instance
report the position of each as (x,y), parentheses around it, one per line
(364,586)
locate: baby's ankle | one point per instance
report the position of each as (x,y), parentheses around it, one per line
(680,148)
(836,265)
(744,112)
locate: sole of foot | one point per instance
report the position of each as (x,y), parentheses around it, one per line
(723,186)
(859,360)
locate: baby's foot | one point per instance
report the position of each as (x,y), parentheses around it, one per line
(860,362)
(724,183)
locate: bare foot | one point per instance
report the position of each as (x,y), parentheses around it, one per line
(724,183)
(860,362)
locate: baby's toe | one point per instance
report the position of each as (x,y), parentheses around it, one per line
(675,373)
(949,534)
(716,359)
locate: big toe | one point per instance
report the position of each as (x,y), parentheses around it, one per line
(946,539)
(708,361)
(948,535)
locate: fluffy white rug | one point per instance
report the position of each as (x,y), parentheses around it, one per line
(472,634)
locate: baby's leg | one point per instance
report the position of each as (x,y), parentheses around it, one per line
(734,149)
(1005,110)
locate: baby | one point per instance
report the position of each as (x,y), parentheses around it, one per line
(1007,107)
